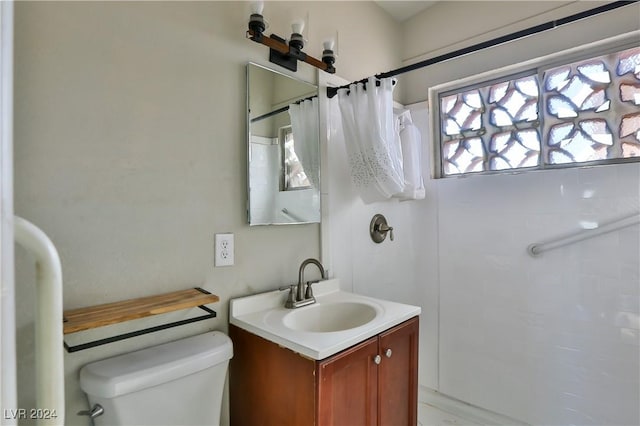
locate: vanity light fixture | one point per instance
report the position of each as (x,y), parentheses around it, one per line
(288,54)
(297,40)
(257,24)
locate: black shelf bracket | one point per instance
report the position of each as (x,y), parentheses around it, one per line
(209,314)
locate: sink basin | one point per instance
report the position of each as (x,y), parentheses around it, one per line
(337,321)
(331,317)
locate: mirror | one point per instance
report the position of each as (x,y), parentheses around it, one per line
(283,149)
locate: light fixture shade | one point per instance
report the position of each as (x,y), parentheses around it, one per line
(328,55)
(257,23)
(328,44)
(256,7)
(297,26)
(297,39)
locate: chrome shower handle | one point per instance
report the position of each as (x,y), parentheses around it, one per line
(384,229)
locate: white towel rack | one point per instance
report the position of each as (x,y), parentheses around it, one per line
(292,216)
(49,351)
(536,249)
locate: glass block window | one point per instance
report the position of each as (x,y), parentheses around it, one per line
(493,127)
(586,112)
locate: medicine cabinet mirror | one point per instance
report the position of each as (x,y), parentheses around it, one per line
(283,167)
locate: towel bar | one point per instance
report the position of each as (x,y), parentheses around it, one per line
(536,249)
(111,313)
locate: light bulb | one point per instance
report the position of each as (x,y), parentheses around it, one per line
(297,26)
(257,23)
(328,44)
(328,55)
(256,7)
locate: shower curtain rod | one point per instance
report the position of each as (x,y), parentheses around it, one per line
(270,114)
(332,91)
(279,110)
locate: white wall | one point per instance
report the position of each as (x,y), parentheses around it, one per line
(268,200)
(265,180)
(451,25)
(549,340)
(130,153)
(552,340)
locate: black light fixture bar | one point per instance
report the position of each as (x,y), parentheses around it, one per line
(286,55)
(332,91)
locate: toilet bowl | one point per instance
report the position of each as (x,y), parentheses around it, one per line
(176,383)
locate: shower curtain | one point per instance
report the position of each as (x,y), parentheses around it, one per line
(306,133)
(411,142)
(372,141)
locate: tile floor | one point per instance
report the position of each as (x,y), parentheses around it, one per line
(431,416)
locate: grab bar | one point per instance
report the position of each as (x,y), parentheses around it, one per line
(292,216)
(48,322)
(536,249)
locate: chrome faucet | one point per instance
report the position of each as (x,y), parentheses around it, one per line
(298,295)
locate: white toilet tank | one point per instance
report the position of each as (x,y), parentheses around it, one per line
(177,383)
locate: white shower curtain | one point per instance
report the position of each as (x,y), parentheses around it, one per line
(306,134)
(411,142)
(372,141)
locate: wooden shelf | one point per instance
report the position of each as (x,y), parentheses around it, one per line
(112,313)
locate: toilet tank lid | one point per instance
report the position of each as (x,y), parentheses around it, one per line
(149,367)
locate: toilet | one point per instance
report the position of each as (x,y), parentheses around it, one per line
(176,383)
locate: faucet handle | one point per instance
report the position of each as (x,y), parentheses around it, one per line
(291,297)
(308,294)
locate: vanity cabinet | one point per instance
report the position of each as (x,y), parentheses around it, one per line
(374,382)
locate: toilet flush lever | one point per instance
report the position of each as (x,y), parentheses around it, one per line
(96,411)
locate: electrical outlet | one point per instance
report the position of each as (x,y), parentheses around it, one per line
(224,250)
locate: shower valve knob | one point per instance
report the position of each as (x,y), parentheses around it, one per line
(378,229)
(390,229)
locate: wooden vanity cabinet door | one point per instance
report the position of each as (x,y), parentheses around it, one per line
(398,374)
(268,384)
(348,387)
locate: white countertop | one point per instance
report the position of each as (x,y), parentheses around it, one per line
(263,314)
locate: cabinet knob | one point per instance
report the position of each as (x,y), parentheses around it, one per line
(388,353)
(377,359)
